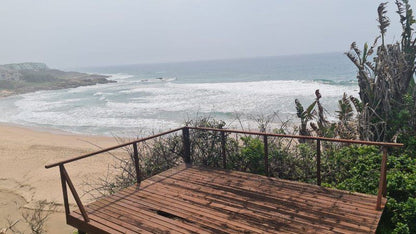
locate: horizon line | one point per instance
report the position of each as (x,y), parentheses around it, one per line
(200,60)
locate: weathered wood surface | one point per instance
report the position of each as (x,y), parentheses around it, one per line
(200,200)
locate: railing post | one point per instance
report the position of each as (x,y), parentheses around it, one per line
(266,155)
(186,145)
(136,163)
(74,193)
(64,189)
(318,162)
(223,152)
(385,182)
(382,185)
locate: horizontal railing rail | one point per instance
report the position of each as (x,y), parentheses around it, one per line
(388,144)
(111,148)
(383,169)
(65,180)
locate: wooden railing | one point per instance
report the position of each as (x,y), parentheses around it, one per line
(66,181)
(383,169)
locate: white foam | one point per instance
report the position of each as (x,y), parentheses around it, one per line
(131,104)
(118,76)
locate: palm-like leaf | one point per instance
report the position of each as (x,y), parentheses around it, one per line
(299,109)
(383,20)
(345,112)
(358,105)
(309,113)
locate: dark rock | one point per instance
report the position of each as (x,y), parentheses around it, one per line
(29,77)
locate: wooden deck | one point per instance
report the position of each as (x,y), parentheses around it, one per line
(199,200)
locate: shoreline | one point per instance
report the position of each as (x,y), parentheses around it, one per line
(51,130)
(24,151)
(44,129)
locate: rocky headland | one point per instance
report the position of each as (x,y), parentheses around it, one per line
(21,78)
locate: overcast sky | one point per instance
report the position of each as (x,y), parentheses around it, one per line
(78,33)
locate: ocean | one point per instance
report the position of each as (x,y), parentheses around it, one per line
(154,97)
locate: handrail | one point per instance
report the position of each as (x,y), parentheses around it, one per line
(388,144)
(187,158)
(65,180)
(383,169)
(110,148)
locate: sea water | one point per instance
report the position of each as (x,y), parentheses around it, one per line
(155,97)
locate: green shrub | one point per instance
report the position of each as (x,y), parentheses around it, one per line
(359,171)
(356,169)
(206,145)
(252,155)
(400,211)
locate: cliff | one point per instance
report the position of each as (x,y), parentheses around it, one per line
(29,77)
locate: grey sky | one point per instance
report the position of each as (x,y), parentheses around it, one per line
(109,32)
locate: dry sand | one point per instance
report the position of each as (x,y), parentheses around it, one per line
(24,180)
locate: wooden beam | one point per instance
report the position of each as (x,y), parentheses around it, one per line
(75,195)
(382,182)
(109,149)
(266,155)
(223,150)
(348,141)
(64,190)
(136,163)
(186,145)
(318,162)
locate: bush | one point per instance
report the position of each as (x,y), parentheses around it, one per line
(400,211)
(359,171)
(252,155)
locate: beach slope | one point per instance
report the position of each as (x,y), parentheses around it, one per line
(24,180)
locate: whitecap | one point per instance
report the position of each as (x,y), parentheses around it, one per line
(105,108)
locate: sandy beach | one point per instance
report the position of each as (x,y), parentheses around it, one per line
(24,180)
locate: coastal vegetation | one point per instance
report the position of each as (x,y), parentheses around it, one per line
(385,111)
(387,86)
(33,220)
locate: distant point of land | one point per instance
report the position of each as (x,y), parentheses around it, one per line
(21,78)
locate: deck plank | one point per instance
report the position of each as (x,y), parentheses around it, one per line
(141,213)
(239,178)
(229,189)
(214,223)
(200,200)
(263,210)
(231,202)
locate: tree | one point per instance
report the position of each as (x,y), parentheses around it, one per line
(386,81)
